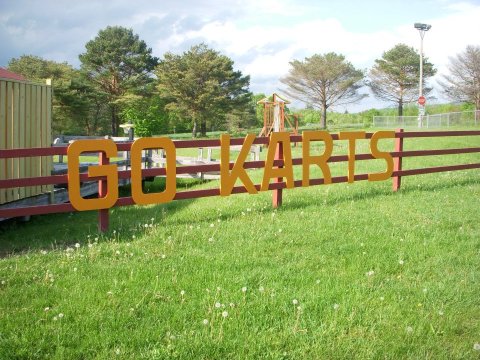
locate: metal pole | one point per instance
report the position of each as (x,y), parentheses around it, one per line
(422,28)
(420,85)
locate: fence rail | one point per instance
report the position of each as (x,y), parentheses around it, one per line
(277,186)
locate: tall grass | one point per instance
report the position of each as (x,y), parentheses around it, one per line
(340,271)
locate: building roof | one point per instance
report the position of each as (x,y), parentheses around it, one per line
(6,74)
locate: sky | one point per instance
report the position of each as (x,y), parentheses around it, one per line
(260,36)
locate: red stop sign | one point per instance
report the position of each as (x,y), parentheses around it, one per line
(422,100)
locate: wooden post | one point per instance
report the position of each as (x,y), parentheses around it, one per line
(277,193)
(397,161)
(103,214)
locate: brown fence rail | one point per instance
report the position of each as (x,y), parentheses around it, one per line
(277,186)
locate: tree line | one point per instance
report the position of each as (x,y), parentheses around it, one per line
(199,90)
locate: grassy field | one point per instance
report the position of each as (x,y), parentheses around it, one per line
(339,272)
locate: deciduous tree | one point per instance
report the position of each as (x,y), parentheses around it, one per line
(323,81)
(463,81)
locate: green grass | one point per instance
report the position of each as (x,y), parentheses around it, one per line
(374,274)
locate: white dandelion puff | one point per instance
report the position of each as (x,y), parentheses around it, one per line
(225,314)
(295,302)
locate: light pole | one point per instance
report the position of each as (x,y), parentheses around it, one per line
(422,28)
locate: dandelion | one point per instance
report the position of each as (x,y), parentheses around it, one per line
(224,314)
(205,322)
(382,298)
(336,307)
(244,289)
(370,273)
(210,239)
(152,219)
(3,282)
(232,305)
(248,209)
(46,309)
(425,290)
(212,225)
(218,305)
(182,292)
(401,262)
(163,256)
(476,346)
(74,269)
(43,252)
(90,245)
(117,351)
(317,281)
(109,293)
(409,329)
(362,244)
(219,288)
(114,232)
(261,289)
(295,302)
(55,318)
(133,236)
(77,245)
(117,252)
(146,225)
(243,214)
(60,315)
(150,225)
(440,313)
(279,230)
(96,239)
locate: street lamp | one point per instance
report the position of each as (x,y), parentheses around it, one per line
(422,28)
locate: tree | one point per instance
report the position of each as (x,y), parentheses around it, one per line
(463,82)
(395,76)
(323,81)
(201,85)
(118,63)
(147,114)
(77,107)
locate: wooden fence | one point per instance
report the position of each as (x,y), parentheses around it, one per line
(25,122)
(276,186)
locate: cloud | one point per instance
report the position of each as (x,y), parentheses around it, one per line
(262,37)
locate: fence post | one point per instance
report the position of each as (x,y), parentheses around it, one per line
(103,214)
(277,193)
(397,161)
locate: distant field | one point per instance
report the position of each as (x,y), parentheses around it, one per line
(340,271)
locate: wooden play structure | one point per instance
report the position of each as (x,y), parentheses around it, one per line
(275,118)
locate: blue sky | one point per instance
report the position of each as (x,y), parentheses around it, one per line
(260,36)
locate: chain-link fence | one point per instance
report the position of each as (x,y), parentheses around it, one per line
(453,119)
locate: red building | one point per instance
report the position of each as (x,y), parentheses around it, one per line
(6,74)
